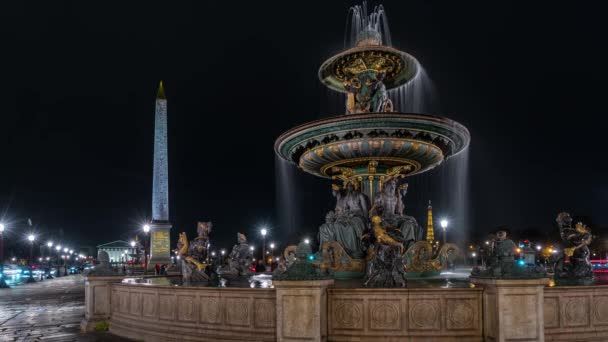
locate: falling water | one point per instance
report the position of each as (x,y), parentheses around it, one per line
(457,190)
(288,214)
(417,96)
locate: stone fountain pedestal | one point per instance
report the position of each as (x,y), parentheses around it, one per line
(97,306)
(513,309)
(301,308)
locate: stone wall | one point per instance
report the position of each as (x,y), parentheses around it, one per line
(164,313)
(576,313)
(439,314)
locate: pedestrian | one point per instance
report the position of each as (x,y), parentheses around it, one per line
(163,270)
(157,269)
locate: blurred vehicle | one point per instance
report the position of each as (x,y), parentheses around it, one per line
(599,265)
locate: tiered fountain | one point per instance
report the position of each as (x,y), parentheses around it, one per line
(371,144)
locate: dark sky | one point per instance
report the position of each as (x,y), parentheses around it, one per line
(79,80)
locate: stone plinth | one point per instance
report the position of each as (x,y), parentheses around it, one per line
(98,300)
(513,309)
(301,308)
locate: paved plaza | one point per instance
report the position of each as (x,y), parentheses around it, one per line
(50,310)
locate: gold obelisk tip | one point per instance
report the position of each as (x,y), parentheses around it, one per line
(161,92)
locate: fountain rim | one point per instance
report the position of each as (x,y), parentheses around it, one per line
(463,130)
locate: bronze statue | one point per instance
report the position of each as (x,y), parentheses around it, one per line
(575,241)
(239,259)
(348,221)
(389,202)
(194,266)
(385,260)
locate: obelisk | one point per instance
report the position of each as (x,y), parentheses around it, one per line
(160,227)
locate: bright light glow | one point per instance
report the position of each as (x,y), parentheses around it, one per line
(146,228)
(65,250)
(132,243)
(311,257)
(31,237)
(71,251)
(212,253)
(307,241)
(553,251)
(58,248)
(272,245)
(1,227)
(518,250)
(521,262)
(487,242)
(444,223)
(178,257)
(264,231)
(49,244)
(251,248)
(277,259)
(47,258)
(39,259)
(223,252)
(539,247)
(13,259)
(474,254)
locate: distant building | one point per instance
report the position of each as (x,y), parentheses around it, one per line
(119,251)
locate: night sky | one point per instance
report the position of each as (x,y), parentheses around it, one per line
(79,81)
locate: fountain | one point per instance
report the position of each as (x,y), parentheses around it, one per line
(370,148)
(366,152)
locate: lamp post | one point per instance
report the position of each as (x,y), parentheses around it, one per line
(272,245)
(3,284)
(133,252)
(58,250)
(65,262)
(264,232)
(444,227)
(146,229)
(31,238)
(222,252)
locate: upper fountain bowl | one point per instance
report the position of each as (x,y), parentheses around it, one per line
(397,67)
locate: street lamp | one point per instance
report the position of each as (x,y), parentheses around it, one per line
(146,229)
(65,261)
(31,238)
(307,241)
(264,231)
(3,284)
(444,227)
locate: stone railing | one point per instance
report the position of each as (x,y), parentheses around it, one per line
(167,313)
(576,313)
(438,314)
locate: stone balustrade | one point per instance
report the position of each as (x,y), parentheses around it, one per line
(170,313)
(437,314)
(316,311)
(576,313)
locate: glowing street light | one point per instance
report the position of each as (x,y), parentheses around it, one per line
(58,248)
(539,247)
(146,229)
(307,241)
(2,282)
(252,248)
(264,231)
(49,244)
(132,243)
(223,251)
(444,228)
(31,239)
(65,250)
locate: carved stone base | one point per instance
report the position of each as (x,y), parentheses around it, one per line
(513,309)
(97,306)
(301,308)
